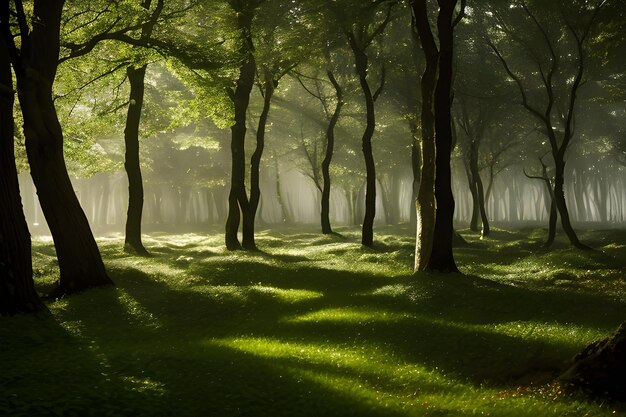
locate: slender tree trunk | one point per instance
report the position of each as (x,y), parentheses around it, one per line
(80,262)
(551,221)
(330,146)
(361,64)
(17,289)
(474,193)
(479,192)
(561,205)
(255,163)
(441,257)
(416,162)
(481,205)
(237,198)
(133,243)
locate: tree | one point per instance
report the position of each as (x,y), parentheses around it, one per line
(332,116)
(473,123)
(17,289)
(547,181)
(433,249)
(238,203)
(557,53)
(360,36)
(136,78)
(35,64)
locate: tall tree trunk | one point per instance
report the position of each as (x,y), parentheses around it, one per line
(361,64)
(237,198)
(330,146)
(17,289)
(416,162)
(425,203)
(441,257)
(80,262)
(255,163)
(133,243)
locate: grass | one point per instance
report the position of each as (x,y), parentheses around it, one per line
(317,326)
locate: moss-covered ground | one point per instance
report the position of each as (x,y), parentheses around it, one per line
(317,326)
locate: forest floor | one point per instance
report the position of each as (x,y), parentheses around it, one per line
(317,326)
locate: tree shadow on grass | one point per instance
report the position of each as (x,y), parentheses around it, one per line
(49,369)
(445,325)
(168,336)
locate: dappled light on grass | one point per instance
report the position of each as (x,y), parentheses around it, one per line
(351,315)
(317,326)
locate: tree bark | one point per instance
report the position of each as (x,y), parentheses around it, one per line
(425,202)
(330,147)
(17,289)
(238,204)
(133,243)
(441,257)
(561,205)
(416,162)
(474,193)
(80,262)
(269,85)
(361,65)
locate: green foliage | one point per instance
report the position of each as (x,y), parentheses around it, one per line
(317,327)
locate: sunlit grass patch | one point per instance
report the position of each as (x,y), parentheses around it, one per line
(290,295)
(555,333)
(353,315)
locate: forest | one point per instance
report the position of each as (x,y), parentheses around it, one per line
(312,208)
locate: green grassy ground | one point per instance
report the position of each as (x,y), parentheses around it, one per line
(317,326)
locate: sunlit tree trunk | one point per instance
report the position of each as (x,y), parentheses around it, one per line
(416,162)
(80,262)
(17,289)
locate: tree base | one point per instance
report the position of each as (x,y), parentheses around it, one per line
(136,249)
(600,368)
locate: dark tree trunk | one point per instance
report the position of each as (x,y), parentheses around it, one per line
(441,257)
(481,205)
(479,202)
(237,198)
(17,289)
(330,146)
(361,65)
(133,243)
(255,163)
(551,223)
(561,205)
(474,193)
(425,202)
(80,262)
